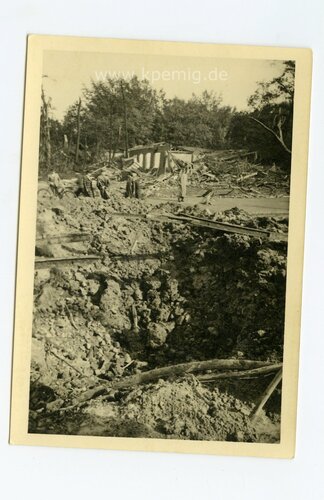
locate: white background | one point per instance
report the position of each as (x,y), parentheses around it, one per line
(37,473)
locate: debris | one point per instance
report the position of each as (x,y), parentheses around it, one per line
(267,394)
(239,374)
(147,291)
(172,371)
(50,261)
(70,317)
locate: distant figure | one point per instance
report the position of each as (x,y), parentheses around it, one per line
(207,196)
(133,188)
(183,181)
(103,183)
(129,186)
(55,183)
(87,184)
(79,183)
(138,191)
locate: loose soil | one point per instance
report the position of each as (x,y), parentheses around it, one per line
(161,294)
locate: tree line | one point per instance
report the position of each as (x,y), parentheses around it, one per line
(116,114)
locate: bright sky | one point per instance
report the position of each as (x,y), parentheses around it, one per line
(65,74)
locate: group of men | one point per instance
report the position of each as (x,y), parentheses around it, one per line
(93,186)
(86,185)
(97,184)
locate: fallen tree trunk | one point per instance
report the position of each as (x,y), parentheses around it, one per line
(172,371)
(264,370)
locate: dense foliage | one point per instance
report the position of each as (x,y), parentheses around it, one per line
(117,114)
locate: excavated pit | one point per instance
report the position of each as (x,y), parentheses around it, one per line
(162,294)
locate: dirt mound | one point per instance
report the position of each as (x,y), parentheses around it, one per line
(160,294)
(171,410)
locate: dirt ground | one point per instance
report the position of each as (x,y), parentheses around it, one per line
(159,294)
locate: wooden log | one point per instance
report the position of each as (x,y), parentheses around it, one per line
(263,370)
(171,371)
(266,395)
(42,263)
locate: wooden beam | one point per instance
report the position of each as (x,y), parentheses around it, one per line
(66,238)
(220,226)
(210,224)
(42,263)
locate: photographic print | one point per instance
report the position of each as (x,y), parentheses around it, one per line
(160,246)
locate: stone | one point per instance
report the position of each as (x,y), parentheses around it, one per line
(157,335)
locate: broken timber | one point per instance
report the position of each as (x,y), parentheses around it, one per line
(42,263)
(172,371)
(222,226)
(266,395)
(210,224)
(263,370)
(66,238)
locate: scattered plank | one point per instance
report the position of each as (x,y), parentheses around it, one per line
(42,262)
(247,176)
(225,227)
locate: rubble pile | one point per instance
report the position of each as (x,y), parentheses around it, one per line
(160,294)
(236,177)
(228,174)
(183,409)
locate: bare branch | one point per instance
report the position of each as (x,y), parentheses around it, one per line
(273,133)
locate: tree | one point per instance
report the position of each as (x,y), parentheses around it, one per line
(201,121)
(272,105)
(244,133)
(45,140)
(121,112)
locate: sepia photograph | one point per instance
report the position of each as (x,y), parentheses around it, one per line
(163,199)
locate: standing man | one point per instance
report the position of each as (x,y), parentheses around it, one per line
(103,183)
(79,184)
(55,183)
(137,187)
(87,183)
(183,181)
(129,186)
(133,188)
